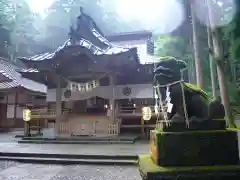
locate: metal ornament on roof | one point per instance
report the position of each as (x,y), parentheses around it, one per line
(126,91)
(67,93)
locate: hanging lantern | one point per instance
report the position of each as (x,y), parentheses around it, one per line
(26,114)
(146,113)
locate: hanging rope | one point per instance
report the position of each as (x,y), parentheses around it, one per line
(161,106)
(184,105)
(158,86)
(182,84)
(94,83)
(183,98)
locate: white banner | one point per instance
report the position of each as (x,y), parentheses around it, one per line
(84,87)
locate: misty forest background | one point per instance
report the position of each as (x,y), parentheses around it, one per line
(25,33)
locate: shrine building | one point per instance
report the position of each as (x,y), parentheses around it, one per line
(96,85)
(17,93)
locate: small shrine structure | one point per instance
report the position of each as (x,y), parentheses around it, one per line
(16,94)
(90,80)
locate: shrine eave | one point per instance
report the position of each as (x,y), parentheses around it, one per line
(130,36)
(10,71)
(85,48)
(43,77)
(66,52)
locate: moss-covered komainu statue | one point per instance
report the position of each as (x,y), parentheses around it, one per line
(204,149)
(199,106)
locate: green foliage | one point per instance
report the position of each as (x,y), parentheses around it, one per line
(16,20)
(231,35)
(63,13)
(176,46)
(170,46)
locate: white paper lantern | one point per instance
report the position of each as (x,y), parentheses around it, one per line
(26,114)
(146,113)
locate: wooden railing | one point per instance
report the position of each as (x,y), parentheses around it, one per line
(112,129)
(65,128)
(122,111)
(136,111)
(44,113)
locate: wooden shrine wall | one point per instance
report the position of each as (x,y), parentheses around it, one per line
(136,91)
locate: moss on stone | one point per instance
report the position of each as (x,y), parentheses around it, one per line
(195,148)
(147,166)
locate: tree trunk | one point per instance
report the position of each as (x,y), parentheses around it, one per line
(219,56)
(198,64)
(212,72)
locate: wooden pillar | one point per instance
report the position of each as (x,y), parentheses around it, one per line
(112,98)
(142,127)
(6,117)
(15,107)
(116,108)
(26,128)
(118,120)
(58,105)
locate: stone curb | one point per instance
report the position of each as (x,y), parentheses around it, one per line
(72,142)
(70,156)
(68,161)
(75,138)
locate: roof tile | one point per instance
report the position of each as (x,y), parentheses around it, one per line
(10,71)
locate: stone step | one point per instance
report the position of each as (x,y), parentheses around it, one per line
(73,142)
(70,156)
(78,138)
(65,161)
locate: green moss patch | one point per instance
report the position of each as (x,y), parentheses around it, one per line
(196,148)
(189,132)
(147,166)
(150,171)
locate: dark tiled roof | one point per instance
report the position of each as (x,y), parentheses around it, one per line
(88,36)
(10,71)
(130,36)
(112,49)
(4,77)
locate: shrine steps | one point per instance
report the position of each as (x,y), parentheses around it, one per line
(81,140)
(66,159)
(73,142)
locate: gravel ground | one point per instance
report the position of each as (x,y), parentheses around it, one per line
(17,171)
(100,149)
(9,144)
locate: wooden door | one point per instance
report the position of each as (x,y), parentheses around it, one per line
(3,115)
